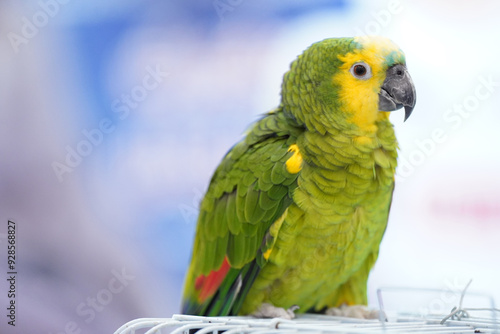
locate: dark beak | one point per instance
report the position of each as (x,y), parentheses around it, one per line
(397,91)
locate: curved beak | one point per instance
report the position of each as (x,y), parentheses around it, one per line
(397,91)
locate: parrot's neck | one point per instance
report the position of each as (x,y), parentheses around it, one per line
(354,147)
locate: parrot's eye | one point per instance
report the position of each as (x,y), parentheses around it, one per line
(361,71)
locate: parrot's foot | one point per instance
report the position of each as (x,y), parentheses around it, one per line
(270,311)
(353,311)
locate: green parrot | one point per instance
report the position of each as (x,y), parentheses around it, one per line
(295,212)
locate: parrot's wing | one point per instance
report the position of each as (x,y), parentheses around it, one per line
(250,190)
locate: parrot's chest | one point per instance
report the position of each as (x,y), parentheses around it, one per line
(331,231)
(334,229)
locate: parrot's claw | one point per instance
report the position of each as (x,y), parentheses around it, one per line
(270,311)
(353,311)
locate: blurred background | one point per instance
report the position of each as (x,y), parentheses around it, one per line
(114,115)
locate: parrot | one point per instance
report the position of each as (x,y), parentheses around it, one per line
(295,212)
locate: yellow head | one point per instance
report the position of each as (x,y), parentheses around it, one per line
(348,83)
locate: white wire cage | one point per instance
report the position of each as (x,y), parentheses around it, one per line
(457,319)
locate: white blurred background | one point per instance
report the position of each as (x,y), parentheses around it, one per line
(115,114)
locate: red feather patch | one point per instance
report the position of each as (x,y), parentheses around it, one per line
(207,285)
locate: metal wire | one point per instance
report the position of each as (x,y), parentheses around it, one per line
(459,313)
(459,320)
(306,323)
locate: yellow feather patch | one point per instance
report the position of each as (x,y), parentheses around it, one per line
(383,115)
(360,97)
(267,254)
(294,163)
(363,140)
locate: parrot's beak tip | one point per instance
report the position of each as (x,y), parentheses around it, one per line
(408,110)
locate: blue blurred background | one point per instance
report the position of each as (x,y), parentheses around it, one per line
(115,114)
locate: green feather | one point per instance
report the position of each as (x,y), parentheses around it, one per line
(265,202)
(278,174)
(277,192)
(265,182)
(233,223)
(252,205)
